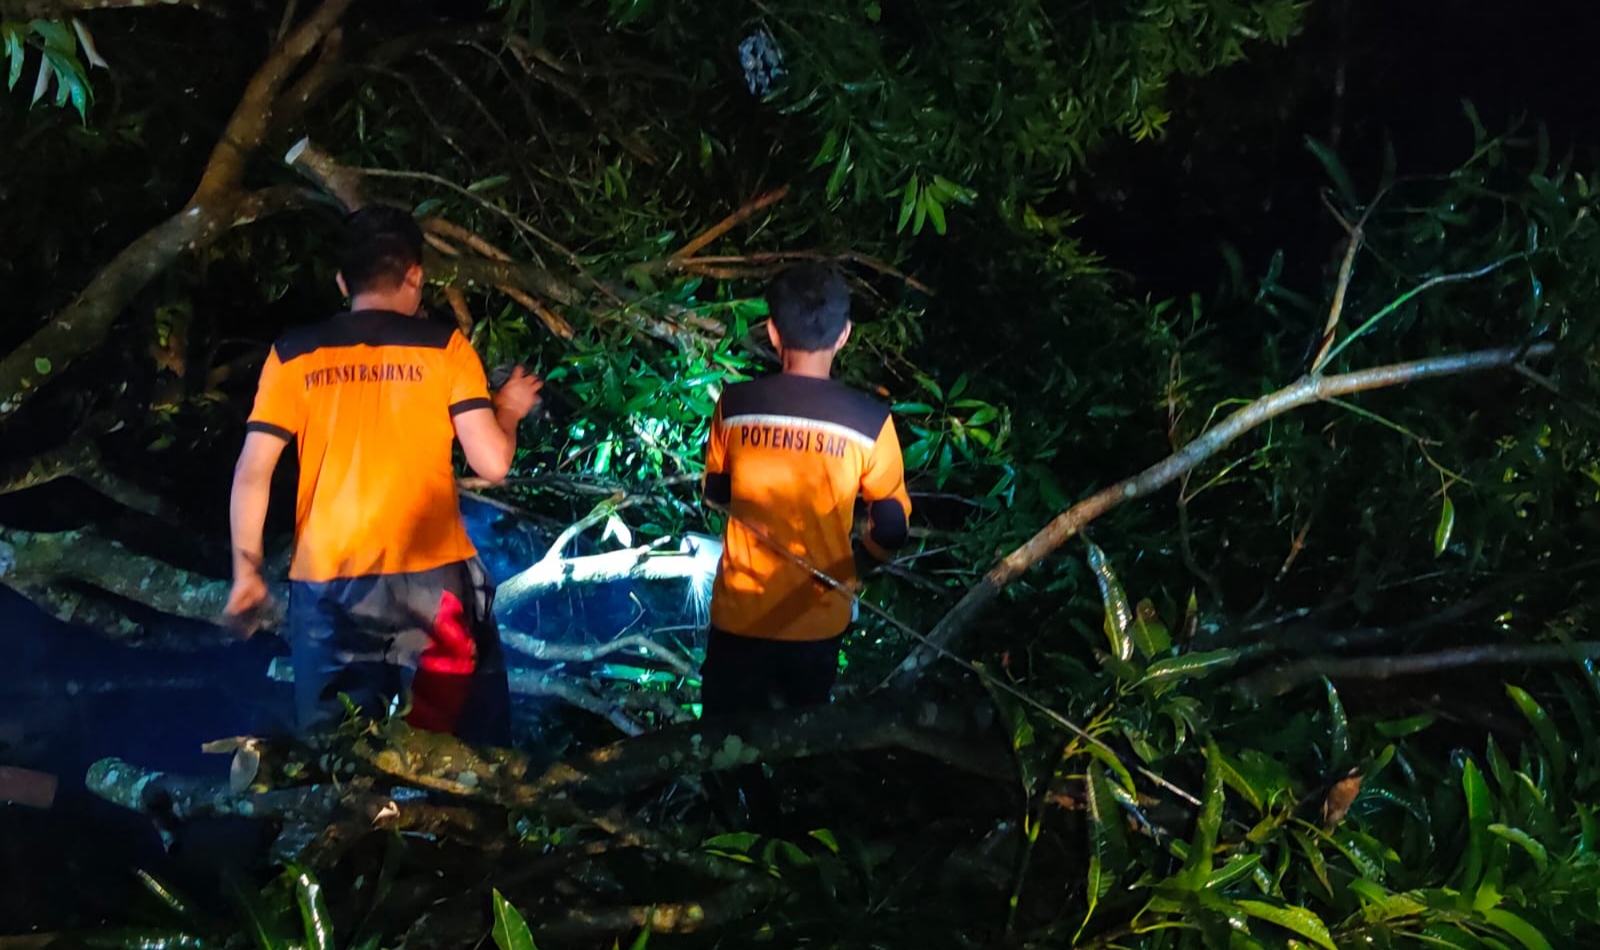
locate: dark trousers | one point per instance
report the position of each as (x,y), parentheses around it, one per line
(752,675)
(748,674)
(364,637)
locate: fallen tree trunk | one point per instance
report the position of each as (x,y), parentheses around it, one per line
(959,738)
(1308,390)
(29,560)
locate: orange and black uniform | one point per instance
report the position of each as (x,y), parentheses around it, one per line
(384,581)
(789,455)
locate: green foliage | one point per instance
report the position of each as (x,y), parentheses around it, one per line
(55,45)
(510,930)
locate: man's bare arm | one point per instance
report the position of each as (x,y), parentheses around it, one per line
(488,438)
(247,507)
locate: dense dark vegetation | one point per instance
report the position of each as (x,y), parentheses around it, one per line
(1320,679)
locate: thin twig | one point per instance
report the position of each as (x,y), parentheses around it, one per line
(1545,382)
(1282,680)
(1426,285)
(1356,234)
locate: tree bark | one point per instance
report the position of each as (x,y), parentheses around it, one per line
(28,561)
(1307,390)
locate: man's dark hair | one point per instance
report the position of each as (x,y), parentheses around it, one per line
(810,305)
(379,245)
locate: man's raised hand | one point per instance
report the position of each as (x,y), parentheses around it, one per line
(519,394)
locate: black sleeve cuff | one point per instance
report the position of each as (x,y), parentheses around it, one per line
(889,529)
(268,428)
(718,488)
(467,405)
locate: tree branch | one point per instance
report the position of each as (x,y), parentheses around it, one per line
(254,117)
(56,9)
(589,653)
(216,206)
(441,259)
(1308,390)
(743,214)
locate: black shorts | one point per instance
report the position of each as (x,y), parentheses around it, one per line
(365,636)
(749,674)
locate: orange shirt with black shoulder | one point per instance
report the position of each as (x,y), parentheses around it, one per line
(368,398)
(790,454)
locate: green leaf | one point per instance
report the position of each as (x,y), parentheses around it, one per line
(935,212)
(841,171)
(16,52)
(1399,728)
(1102,813)
(510,930)
(1447,523)
(1555,749)
(642,941)
(1335,169)
(827,838)
(1118,614)
(984,415)
(42,366)
(1314,857)
(1191,665)
(258,919)
(1110,760)
(830,148)
(313,910)
(1517,928)
(1297,919)
(1149,633)
(1237,867)
(1478,807)
(1339,722)
(1197,866)
(169,898)
(908,204)
(1525,841)
(737,842)
(486,184)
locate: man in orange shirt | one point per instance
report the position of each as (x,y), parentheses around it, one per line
(788,456)
(384,580)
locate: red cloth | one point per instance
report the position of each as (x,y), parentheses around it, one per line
(444,673)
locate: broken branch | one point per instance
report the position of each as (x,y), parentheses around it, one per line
(1308,390)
